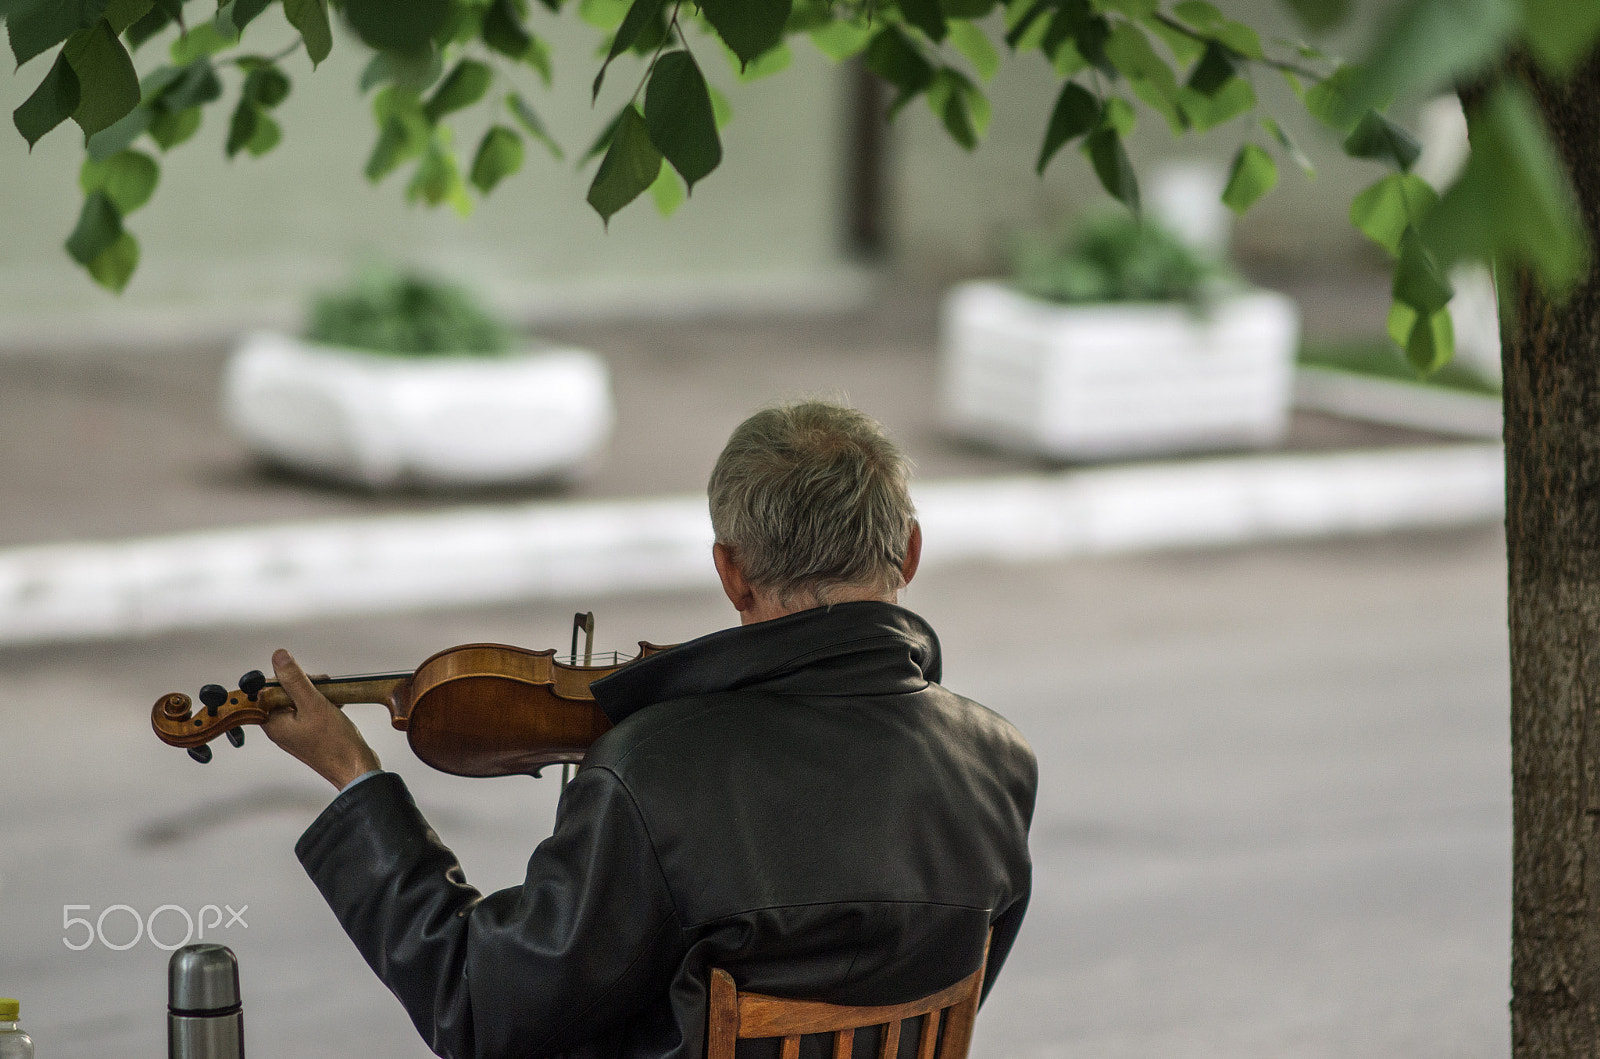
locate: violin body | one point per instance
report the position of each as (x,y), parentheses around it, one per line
(475,710)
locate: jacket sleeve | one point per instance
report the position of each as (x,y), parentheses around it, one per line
(532,970)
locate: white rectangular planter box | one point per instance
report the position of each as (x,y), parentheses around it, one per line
(1087,382)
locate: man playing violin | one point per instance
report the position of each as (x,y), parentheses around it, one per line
(795,799)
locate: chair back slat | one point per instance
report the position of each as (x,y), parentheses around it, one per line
(891,1041)
(734,1016)
(930,1034)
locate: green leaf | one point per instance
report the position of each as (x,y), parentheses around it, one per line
(310,17)
(772,61)
(1425,45)
(1129,50)
(1289,146)
(50,104)
(418,71)
(631,165)
(154,21)
(128,179)
(170,128)
(244,12)
(205,39)
(1431,343)
(895,59)
(667,191)
(721,109)
(242,126)
(119,135)
(749,27)
(1401,319)
(970,40)
(1183,47)
(1512,199)
(1320,15)
(108,85)
(641,16)
(960,106)
(1111,165)
(1418,280)
(1119,115)
(968,9)
(98,226)
(406,26)
(1024,19)
(43,24)
(927,16)
(195,85)
(1378,138)
(120,14)
(1329,100)
(1560,32)
(1216,68)
(1211,22)
(499,155)
(679,117)
(840,40)
(1075,113)
(266,86)
(529,120)
(1254,174)
(1207,112)
(461,87)
(604,15)
(538,57)
(116,263)
(503,30)
(1385,210)
(437,179)
(402,131)
(1131,8)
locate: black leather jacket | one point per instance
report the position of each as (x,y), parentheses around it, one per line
(797,800)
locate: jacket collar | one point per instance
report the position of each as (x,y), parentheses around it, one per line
(860,648)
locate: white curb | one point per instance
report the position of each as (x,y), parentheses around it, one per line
(293,571)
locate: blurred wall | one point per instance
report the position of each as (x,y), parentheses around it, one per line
(229,244)
(240,241)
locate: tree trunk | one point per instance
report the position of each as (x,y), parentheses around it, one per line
(1552,435)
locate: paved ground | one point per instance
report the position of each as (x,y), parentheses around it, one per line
(1273,820)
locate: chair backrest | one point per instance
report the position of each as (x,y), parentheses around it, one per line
(736,1016)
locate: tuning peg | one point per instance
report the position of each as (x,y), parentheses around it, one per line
(213,695)
(236,736)
(252,683)
(201,753)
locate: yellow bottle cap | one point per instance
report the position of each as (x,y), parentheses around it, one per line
(9,1009)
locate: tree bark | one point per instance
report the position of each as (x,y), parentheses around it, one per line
(1551,355)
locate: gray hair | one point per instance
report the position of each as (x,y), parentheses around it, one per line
(811,498)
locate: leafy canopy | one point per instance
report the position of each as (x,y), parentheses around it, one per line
(1195,68)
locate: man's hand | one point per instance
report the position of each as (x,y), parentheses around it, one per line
(316,731)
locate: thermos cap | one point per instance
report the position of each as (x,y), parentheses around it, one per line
(10,1010)
(203,978)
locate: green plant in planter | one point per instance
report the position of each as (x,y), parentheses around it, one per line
(1113,257)
(387,311)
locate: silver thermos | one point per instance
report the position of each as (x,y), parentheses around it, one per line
(205,1019)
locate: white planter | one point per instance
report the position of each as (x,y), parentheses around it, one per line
(1396,403)
(1075,382)
(381,420)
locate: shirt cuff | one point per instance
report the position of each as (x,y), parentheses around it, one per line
(365,775)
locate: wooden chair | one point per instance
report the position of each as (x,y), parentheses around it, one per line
(736,1016)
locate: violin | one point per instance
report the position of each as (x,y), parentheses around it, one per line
(480,709)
